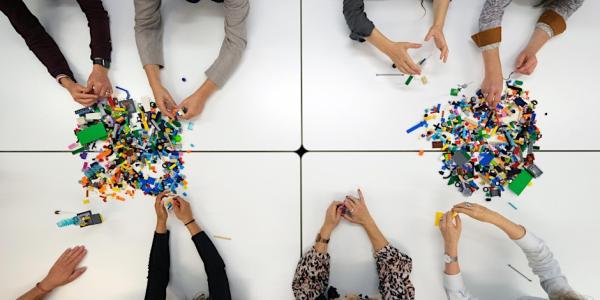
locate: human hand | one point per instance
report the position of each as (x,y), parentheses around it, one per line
(450,228)
(183,210)
(475,211)
(192,105)
(492,88)
(159,208)
(165,102)
(65,269)
(80,94)
(398,53)
(98,81)
(358,211)
(437,33)
(526,62)
(333,216)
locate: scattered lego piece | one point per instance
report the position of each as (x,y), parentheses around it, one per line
(222,237)
(520,182)
(424,79)
(83,219)
(141,150)
(483,146)
(92,134)
(523,275)
(512,205)
(421,152)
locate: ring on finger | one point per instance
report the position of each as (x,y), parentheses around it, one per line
(468,204)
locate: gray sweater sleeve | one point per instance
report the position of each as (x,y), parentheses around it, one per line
(149,32)
(357,20)
(492,13)
(234,44)
(543,264)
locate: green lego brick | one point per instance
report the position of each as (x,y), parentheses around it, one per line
(92,134)
(520,182)
(410,78)
(454,92)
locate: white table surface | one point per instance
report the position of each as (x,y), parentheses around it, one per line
(347,107)
(258,109)
(251,198)
(403,191)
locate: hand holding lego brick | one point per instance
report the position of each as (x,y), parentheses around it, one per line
(526,62)
(80,94)
(333,216)
(183,210)
(194,104)
(165,102)
(358,211)
(451,227)
(99,83)
(65,269)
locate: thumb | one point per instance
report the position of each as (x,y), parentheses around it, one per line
(428,36)
(520,61)
(76,273)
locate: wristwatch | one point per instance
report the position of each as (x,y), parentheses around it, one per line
(450,259)
(101,61)
(320,239)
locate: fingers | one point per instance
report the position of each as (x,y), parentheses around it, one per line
(444,54)
(361,197)
(163,108)
(64,254)
(347,218)
(76,273)
(429,35)
(458,222)
(413,45)
(350,204)
(160,196)
(414,69)
(520,61)
(448,219)
(76,255)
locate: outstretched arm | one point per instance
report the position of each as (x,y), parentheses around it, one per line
(218,284)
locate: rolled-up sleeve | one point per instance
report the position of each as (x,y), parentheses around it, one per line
(357,20)
(234,44)
(553,20)
(393,269)
(455,288)
(490,24)
(149,32)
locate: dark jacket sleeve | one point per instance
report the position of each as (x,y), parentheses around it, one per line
(158,267)
(218,284)
(356,18)
(36,37)
(98,23)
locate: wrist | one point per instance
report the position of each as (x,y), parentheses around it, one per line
(99,68)
(451,250)
(66,82)
(326,231)
(369,223)
(161,226)
(44,286)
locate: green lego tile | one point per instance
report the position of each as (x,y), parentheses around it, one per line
(454,92)
(520,182)
(92,134)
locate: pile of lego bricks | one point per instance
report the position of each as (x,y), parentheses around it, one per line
(483,147)
(128,146)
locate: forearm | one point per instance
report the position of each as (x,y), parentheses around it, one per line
(491,61)
(451,249)
(193,228)
(440,9)
(537,41)
(149,32)
(98,22)
(214,266)
(380,41)
(325,233)
(153,74)
(511,229)
(375,236)
(34,294)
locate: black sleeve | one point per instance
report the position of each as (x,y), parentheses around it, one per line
(36,37)
(158,267)
(98,23)
(218,284)
(356,18)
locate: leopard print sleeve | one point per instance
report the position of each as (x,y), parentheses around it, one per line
(394,269)
(312,275)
